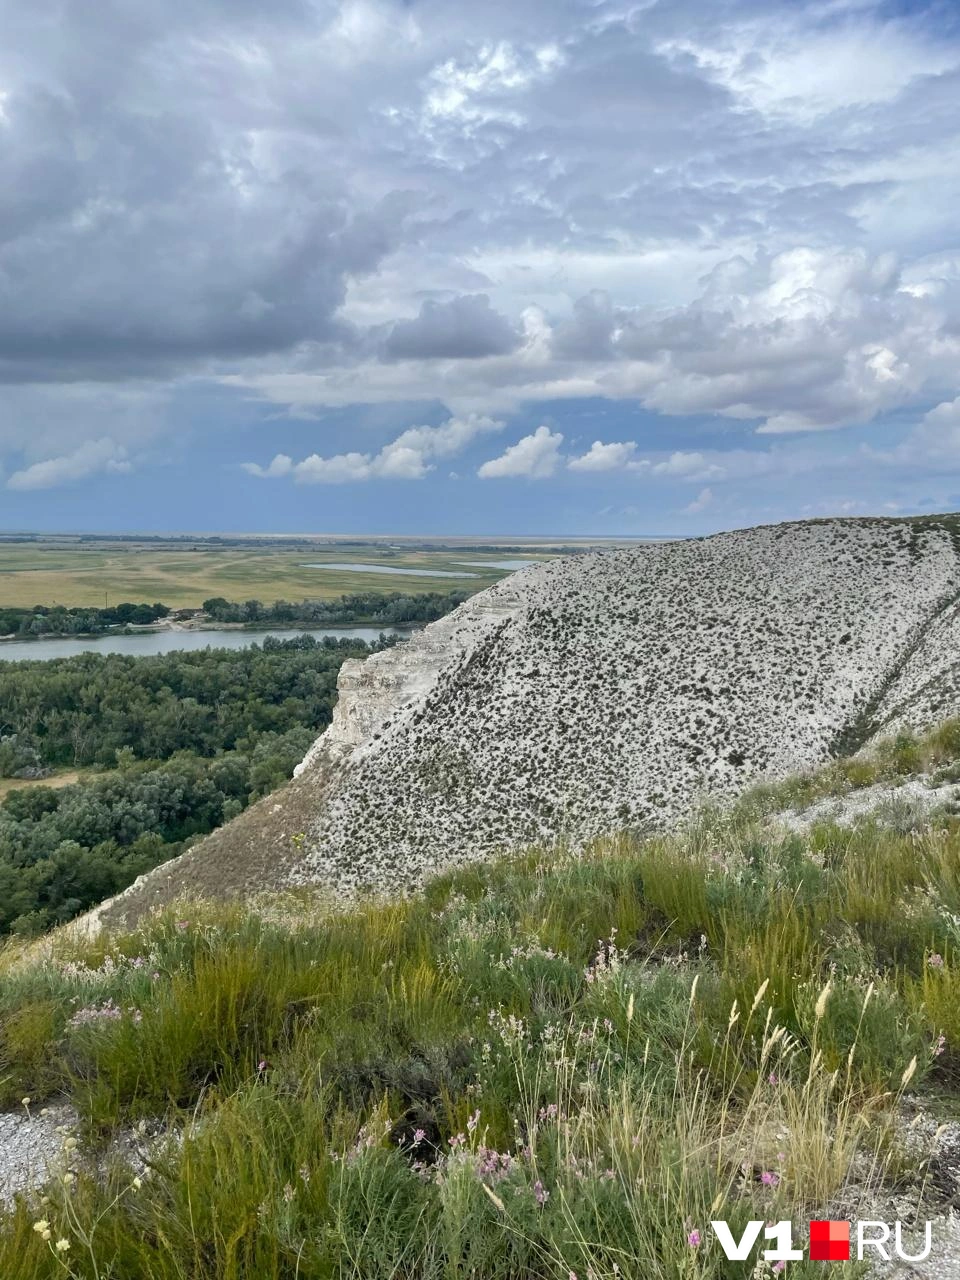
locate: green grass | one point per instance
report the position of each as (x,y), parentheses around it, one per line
(539,1067)
(76,574)
(891,762)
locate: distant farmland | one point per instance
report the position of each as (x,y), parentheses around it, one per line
(184,575)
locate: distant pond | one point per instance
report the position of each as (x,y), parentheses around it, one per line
(149,643)
(390,568)
(501,564)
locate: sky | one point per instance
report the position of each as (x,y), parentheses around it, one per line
(567,267)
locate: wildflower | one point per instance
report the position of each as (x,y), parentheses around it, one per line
(418,1136)
(935,961)
(183,924)
(137,1183)
(46,1235)
(262,1065)
(940,1046)
(473,1121)
(693,1239)
(62,1245)
(769,1178)
(288,1192)
(41,1225)
(540,1193)
(778,1267)
(773,1078)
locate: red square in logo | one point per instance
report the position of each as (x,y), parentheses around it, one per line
(830,1241)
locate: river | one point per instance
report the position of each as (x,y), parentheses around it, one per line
(148,643)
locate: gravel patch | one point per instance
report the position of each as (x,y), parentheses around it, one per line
(31,1148)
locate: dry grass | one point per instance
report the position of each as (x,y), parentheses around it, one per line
(183,578)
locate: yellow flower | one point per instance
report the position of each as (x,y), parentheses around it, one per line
(63,1246)
(25,1102)
(45,1235)
(137,1183)
(41,1226)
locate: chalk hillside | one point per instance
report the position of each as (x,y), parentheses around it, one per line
(600,693)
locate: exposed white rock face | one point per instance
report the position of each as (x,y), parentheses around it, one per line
(602,692)
(928,687)
(373,691)
(610,690)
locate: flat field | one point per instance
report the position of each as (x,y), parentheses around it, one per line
(183,575)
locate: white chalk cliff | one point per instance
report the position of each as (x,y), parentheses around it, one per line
(600,692)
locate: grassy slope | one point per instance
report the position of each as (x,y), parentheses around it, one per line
(538,1068)
(184,579)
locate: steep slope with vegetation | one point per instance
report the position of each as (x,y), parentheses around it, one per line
(539,1068)
(598,693)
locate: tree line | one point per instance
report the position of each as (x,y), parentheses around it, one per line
(188,740)
(380,608)
(57,620)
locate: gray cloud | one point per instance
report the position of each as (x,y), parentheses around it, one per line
(739,208)
(463,328)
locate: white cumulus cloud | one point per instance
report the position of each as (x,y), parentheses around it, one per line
(96,456)
(536,456)
(410,457)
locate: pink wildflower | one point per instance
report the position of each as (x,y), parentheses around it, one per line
(540,1193)
(769,1178)
(693,1239)
(935,961)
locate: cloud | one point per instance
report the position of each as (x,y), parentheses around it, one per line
(742,210)
(804,340)
(463,328)
(88,460)
(605,457)
(409,457)
(536,456)
(702,502)
(932,445)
